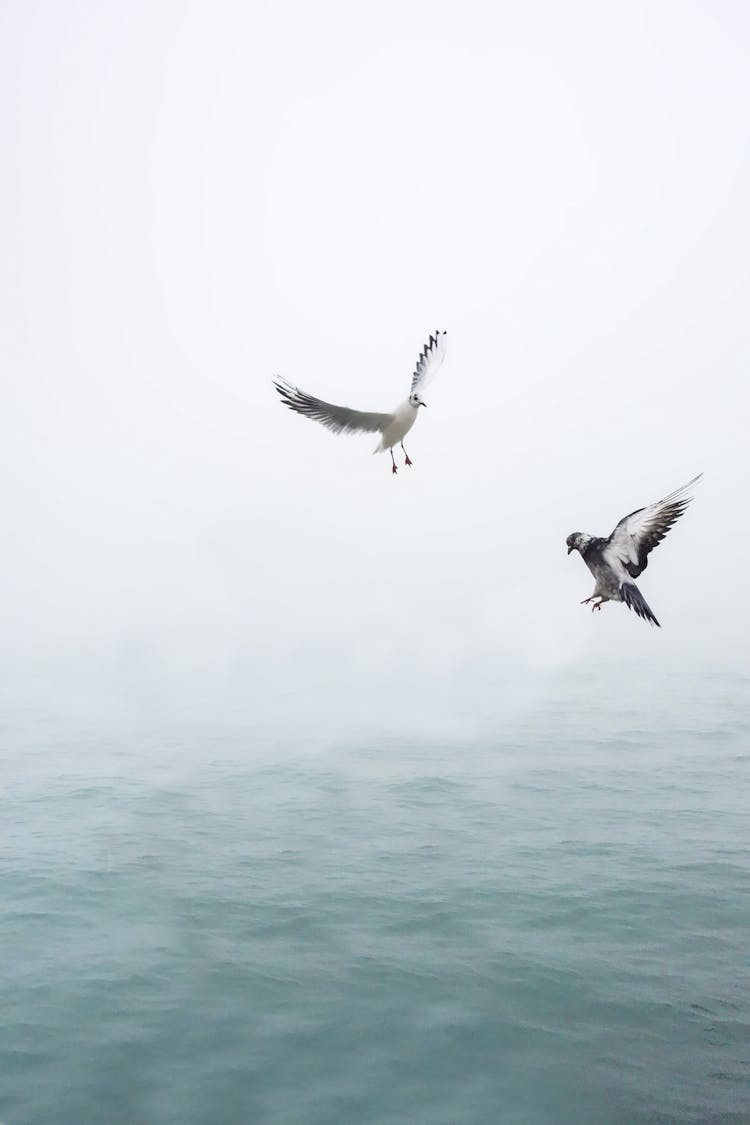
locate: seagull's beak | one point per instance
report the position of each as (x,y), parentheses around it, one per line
(570,549)
(422,403)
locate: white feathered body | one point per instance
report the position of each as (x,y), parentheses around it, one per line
(404,417)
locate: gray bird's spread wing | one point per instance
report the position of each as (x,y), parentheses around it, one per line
(636,535)
(339,419)
(430,358)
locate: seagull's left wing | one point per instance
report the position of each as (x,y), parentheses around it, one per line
(430,358)
(636,535)
(340,419)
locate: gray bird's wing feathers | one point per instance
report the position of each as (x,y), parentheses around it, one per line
(339,419)
(636,535)
(430,358)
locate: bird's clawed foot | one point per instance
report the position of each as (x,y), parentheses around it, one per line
(408,460)
(587,600)
(597,605)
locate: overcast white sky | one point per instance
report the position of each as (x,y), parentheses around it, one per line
(196,196)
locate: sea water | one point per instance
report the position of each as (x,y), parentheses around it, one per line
(533,912)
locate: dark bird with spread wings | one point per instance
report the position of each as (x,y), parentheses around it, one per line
(392,427)
(614,562)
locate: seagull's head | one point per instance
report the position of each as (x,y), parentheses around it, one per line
(575,541)
(416,401)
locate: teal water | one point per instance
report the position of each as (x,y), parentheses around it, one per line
(220,922)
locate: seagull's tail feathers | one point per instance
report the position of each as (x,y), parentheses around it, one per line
(635,600)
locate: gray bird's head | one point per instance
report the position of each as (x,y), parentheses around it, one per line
(416,401)
(577,541)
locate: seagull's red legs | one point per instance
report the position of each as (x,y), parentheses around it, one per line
(587,600)
(406,455)
(394,461)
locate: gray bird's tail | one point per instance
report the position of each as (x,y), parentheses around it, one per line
(635,600)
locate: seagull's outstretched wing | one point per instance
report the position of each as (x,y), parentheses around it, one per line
(430,358)
(636,535)
(340,419)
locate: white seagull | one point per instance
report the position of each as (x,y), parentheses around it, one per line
(624,555)
(393,427)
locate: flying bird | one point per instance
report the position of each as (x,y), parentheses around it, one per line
(392,427)
(614,562)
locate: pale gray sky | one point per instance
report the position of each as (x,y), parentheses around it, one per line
(197,196)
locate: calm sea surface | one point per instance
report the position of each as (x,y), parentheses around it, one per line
(545,919)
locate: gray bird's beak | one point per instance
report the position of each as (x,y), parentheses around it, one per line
(423,404)
(570,549)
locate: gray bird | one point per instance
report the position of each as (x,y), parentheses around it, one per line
(614,562)
(392,427)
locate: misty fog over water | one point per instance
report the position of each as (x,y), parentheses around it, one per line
(323,796)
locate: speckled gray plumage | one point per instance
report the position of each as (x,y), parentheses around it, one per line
(623,556)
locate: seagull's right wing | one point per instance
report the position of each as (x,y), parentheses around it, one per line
(636,535)
(339,419)
(430,358)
